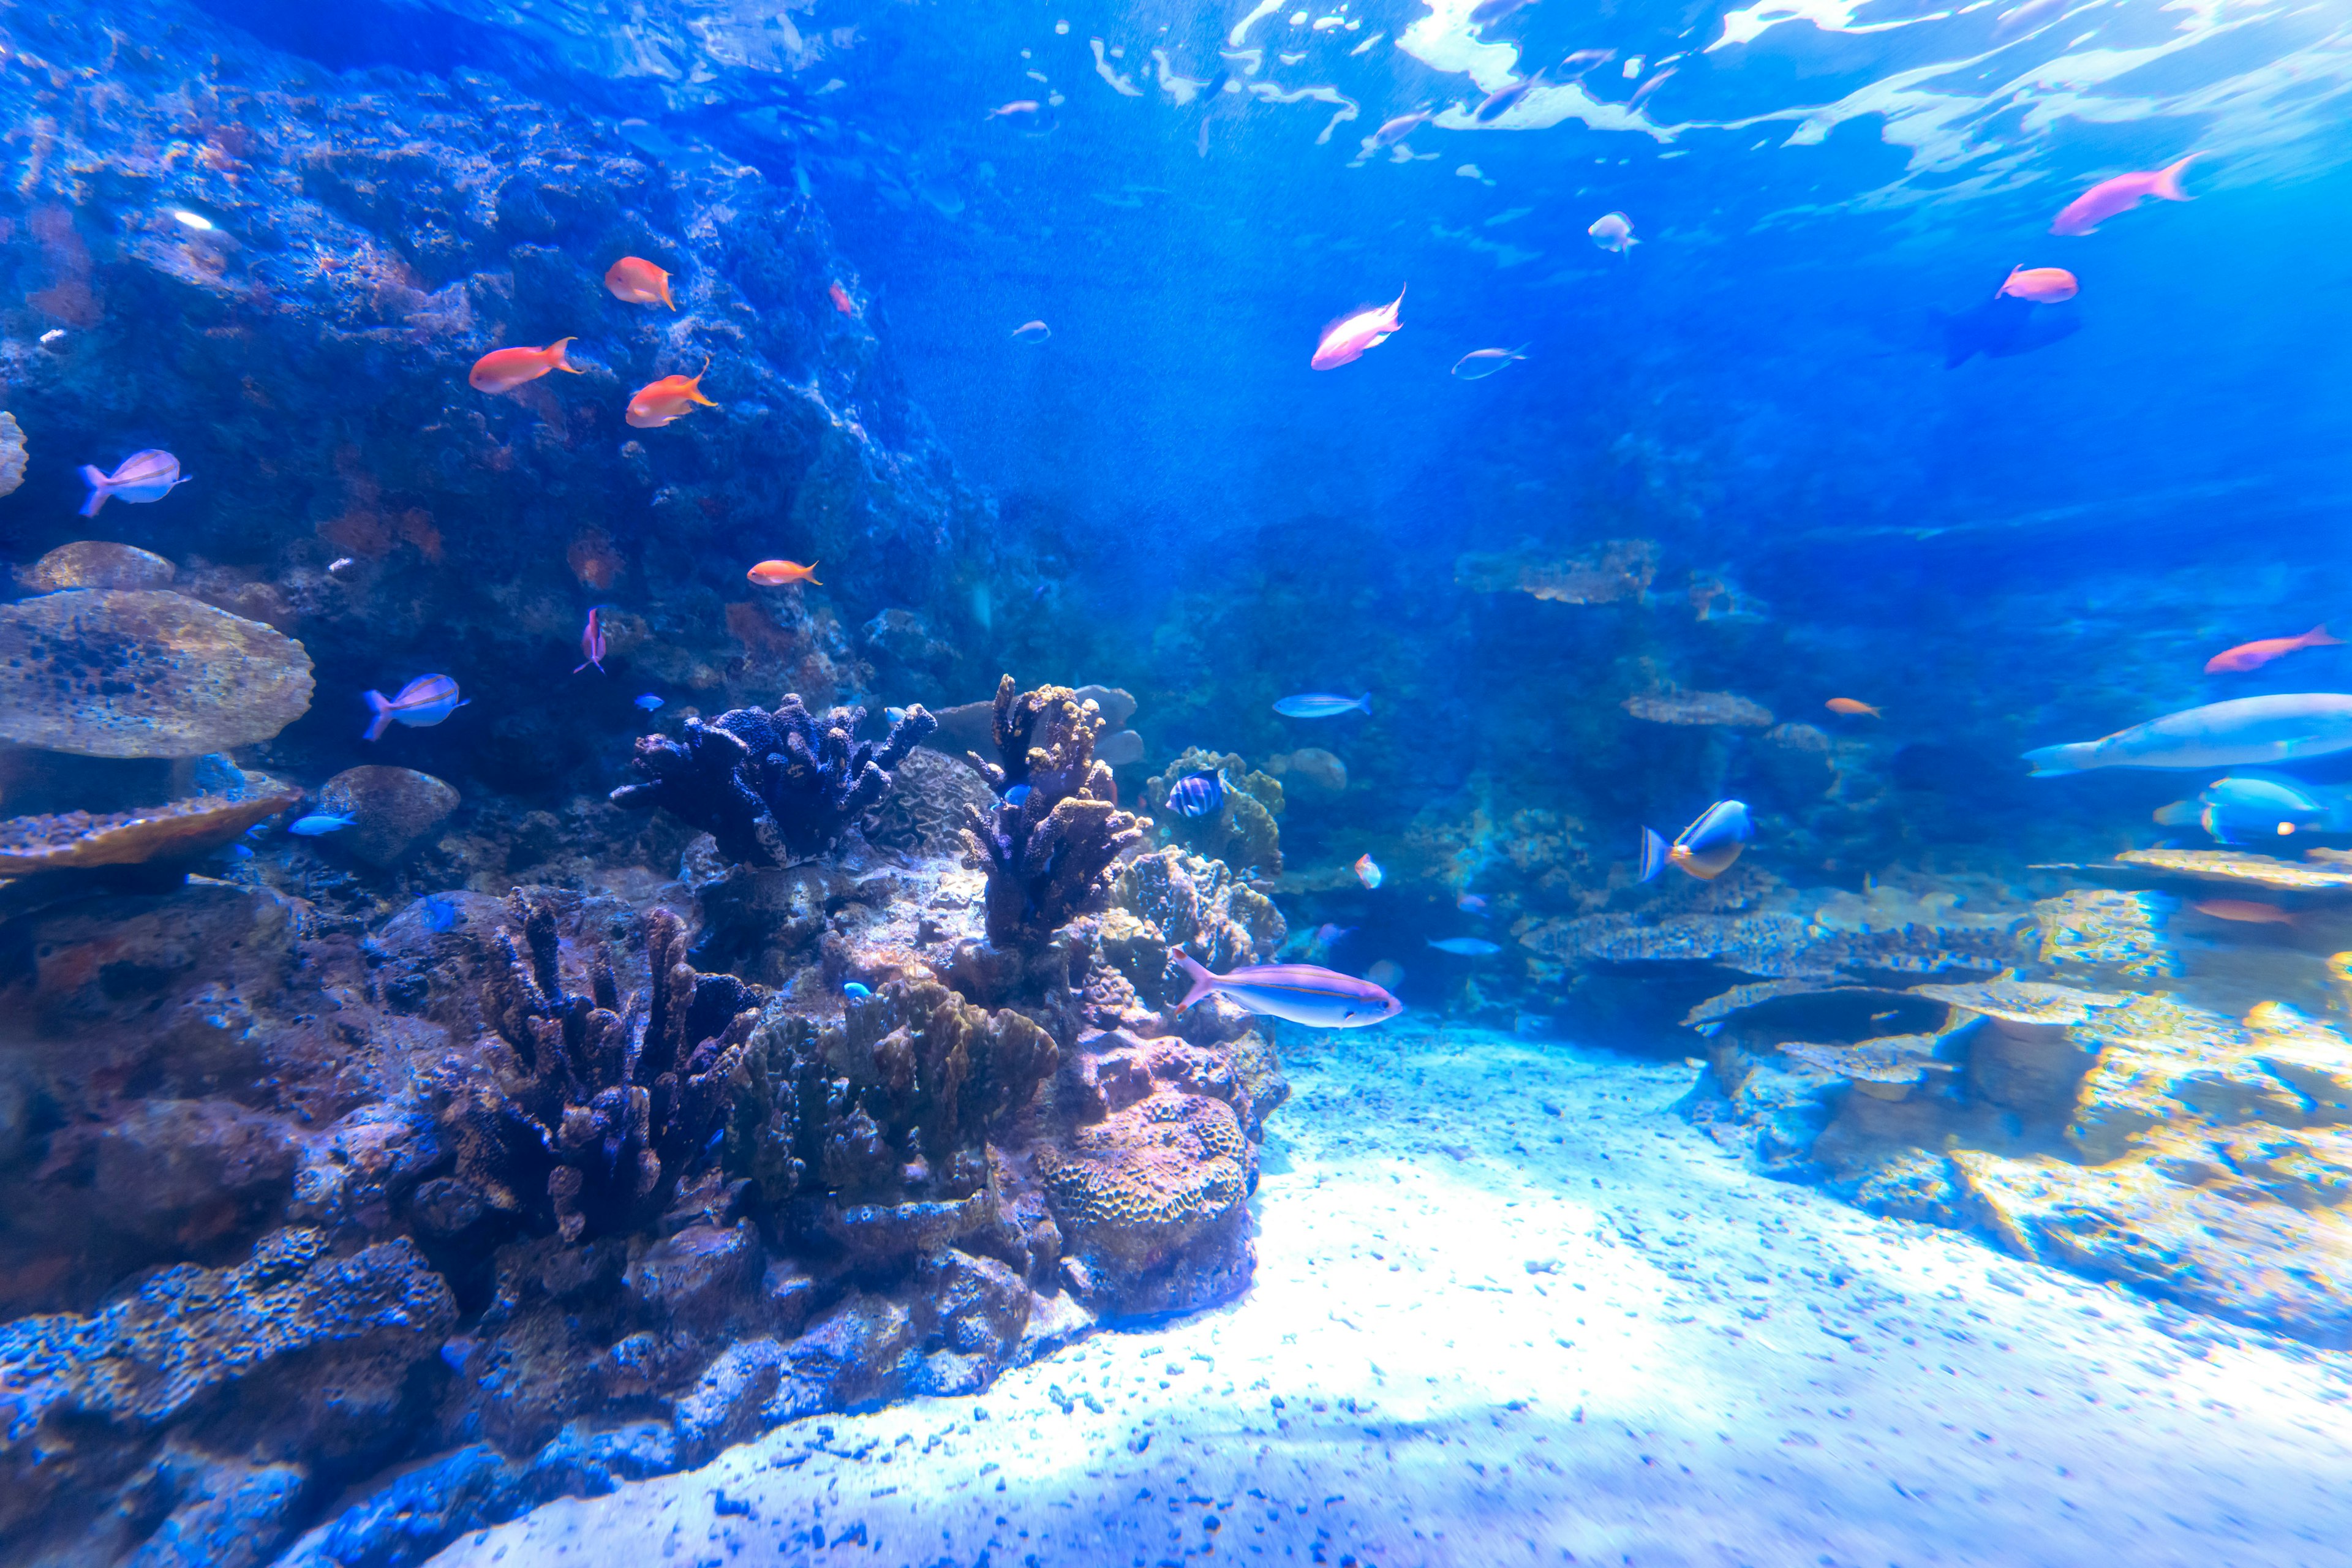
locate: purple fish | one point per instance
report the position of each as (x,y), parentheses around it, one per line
(592,641)
(428,699)
(144,477)
(1319,998)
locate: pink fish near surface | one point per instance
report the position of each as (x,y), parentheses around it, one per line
(1319,998)
(2120,194)
(1345,340)
(592,641)
(142,476)
(428,699)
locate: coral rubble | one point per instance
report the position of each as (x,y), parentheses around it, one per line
(1046,852)
(769,786)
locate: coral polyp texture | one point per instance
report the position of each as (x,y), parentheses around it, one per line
(771,786)
(602,1107)
(181,831)
(1046,852)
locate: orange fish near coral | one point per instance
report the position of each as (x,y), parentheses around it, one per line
(779,573)
(2245,911)
(1848,706)
(841,300)
(1345,340)
(2041,285)
(2255,654)
(669,398)
(639,281)
(503,370)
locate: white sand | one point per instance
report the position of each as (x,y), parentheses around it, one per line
(1713,1369)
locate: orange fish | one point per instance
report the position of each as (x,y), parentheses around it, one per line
(671,397)
(2255,654)
(2042,285)
(777,573)
(1848,705)
(2244,911)
(639,281)
(503,370)
(841,300)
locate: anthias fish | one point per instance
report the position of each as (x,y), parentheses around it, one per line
(1852,708)
(2249,655)
(425,700)
(1705,849)
(841,300)
(1322,705)
(1614,231)
(2041,285)
(777,573)
(640,282)
(1301,992)
(2103,201)
(141,477)
(1480,364)
(1198,794)
(503,370)
(592,642)
(659,403)
(1345,340)
(2246,731)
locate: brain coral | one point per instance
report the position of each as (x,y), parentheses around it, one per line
(1166,1162)
(123,673)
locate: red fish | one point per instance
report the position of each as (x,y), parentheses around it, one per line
(2255,654)
(503,370)
(592,641)
(2042,285)
(2120,194)
(639,281)
(777,573)
(841,300)
(671,397)
(1345,340)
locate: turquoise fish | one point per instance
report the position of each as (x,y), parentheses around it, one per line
(1319,998)
(2247,731)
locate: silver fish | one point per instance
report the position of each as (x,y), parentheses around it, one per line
(1480,364)
(1322,705)
(1319,998)
(2246,731)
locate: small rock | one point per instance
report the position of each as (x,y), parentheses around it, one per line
(393,810)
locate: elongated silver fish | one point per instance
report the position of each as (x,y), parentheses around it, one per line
(1319,998)
(2245,731)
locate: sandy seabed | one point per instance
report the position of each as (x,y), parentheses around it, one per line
(1510,1309)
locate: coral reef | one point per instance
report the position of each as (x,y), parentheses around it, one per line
(1242,833)
(1047,854)
(1699,708)
(1618,570)
(12,453)
(184,830)
(769,786)
(602,1109)
(1174,899)
(95,564)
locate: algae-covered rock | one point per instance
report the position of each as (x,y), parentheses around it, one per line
(96,564)
(393,810)
(12,453)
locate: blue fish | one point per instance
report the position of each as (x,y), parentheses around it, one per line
(856,991)
(318,823)
(428,699)
(1198,794)
(1322,705)
(2252,808)
(439,914)
(240,851)
(1706,849)
(649,702)
(1017,794)
(1466,947)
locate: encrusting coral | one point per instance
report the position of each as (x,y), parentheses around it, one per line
(603,1108)
(771,786)
(1242,833)
(1046,853)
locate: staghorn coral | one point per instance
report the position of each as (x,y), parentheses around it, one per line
(1046,854)
(772,785)
(125,673)
(599,1110)
(1244,834)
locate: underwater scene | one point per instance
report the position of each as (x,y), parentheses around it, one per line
(1109,784)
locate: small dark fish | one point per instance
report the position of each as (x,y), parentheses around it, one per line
(1706,849)
(320,822)
(592,641)
(439,914)
(1198,794)
(649,701)
(2004,326)
(1498,102)
(856,991)
(1018,795)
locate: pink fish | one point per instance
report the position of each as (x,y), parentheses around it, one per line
(1301,992)
(1345,340)
(592,641)
(144,477)
(428,699)
(2120,194)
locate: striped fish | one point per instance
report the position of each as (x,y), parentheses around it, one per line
(428,699)
(142,476)
(1319,998)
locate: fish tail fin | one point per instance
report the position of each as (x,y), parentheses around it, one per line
(2179,813)
(666,299)
(1653,854)
(2168,182)
(2317,637)
(1365,703)
(812,578)
(2049,761)
(557,360)
(98,490)
(1204,982)
(381,709)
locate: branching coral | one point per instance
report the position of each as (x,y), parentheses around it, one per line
(1046,851)
(600,1107)
(769,786)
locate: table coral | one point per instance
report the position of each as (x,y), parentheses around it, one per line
(1047,853)
(598,1109)
(769,786)
(1715,708)
(180,831)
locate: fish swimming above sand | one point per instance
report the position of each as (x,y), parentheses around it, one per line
(779,573)
(1392,132)
(1301,992)
(1345,340)
(1705,849)
(2041,285)
(1614,231)
(2248,656)
(2243,732)
(1852,708)
(142,476)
